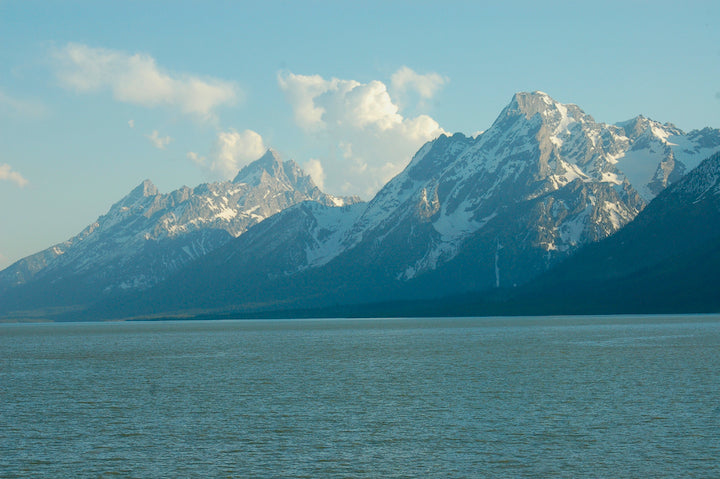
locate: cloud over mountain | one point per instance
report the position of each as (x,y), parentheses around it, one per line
(361,124)
(231,152)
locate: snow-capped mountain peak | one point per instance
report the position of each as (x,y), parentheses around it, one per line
(270,164)
(188,223)
(659,154)
(138,194)
(146,188)
(530,104)
(643,126)
(467,213)
(551,163)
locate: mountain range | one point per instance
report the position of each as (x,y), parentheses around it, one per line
(488,213)
(146,236)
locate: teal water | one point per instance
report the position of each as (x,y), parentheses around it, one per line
(459,398)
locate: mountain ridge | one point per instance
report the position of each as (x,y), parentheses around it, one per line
(122,249)
(666,260)
(649,267)
(467,214)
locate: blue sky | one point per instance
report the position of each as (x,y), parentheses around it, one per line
(97,96)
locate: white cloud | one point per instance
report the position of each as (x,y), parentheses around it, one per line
(137,79)
(131,123)
(314,168)
(197,159)
(406,79)
(319,104)
(370,139)
(158,141)
(7,173)
(231,152)
(301,91)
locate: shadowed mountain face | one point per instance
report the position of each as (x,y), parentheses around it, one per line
(147,236)
(467,214)
(666,260)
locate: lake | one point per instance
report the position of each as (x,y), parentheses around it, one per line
(460,398)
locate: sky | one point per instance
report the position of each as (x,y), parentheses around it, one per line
(96,97)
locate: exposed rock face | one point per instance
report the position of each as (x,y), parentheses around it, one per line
(467,214)
(147,235)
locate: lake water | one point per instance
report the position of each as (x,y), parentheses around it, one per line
(458,398)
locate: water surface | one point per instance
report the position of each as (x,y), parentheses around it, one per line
(493,397)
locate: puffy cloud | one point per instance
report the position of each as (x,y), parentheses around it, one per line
(370,140)
(131,123)
(232,151)
(314,168)
(406,79)
(367,105)
(7,173)
(319,103)
(301,92)
(137,79)
(197,159)
(158,141)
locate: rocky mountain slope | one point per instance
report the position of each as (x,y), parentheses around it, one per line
(467,214)
(666,260)
(146,236)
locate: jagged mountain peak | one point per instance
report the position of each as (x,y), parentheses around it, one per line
(146,188)
(271,157)
(642,125)
(530,112)
(175,228)
(529,104)
(270,163)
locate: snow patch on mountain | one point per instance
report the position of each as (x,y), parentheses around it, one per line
(492,209)
(108,249)
(571,232)
(537,149)
(330,229)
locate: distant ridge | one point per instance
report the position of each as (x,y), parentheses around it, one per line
(147,235)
